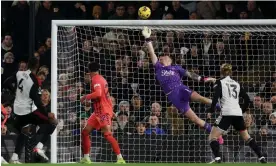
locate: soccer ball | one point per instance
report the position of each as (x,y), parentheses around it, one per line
(144,12)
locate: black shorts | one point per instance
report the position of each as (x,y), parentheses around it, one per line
(224,122)
(34,118)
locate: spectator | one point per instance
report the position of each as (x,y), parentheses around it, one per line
(272,119)
(97,12)
(243,14)
(154,126)
(177,122)
(22,66)
(19,18)
(229,11)
(46,13)
(110,10)
(7,45)
(253,11)
(156,110)
(208,9)
(123,107)
(139,111)
(114,104)
(80,11)
(41,76)
(267,110)
(249,123)
(36,54)
(156,11)
(193,16)
(119,14)
(45,99)
(177,11)
(169,16)
(123,122)
(140,128)
(9,66)
(132,12)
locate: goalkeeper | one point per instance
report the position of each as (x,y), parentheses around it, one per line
(169,77)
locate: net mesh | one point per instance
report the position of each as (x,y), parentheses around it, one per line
(146,125)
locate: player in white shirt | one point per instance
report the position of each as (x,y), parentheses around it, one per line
(227,93)
(29,109)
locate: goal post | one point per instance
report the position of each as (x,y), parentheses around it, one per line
(67,43)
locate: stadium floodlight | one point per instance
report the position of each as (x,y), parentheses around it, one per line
(199,45)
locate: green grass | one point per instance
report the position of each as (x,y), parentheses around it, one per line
(149,164)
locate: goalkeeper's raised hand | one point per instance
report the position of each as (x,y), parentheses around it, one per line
(209,79)
(146,32)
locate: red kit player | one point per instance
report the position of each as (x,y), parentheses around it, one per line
(102,115)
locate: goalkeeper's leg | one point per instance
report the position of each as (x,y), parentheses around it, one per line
(201,123)
(198,98)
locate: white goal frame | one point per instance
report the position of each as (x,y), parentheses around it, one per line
(54,51)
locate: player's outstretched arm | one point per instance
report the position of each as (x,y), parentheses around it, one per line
(146,33)
(196,77)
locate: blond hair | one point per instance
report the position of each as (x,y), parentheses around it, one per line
(226,69)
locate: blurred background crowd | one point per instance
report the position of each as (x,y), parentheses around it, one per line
(139,104)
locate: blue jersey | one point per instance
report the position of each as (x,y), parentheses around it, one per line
(169,77)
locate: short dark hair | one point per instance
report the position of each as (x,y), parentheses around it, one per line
(93,67)
(33,63)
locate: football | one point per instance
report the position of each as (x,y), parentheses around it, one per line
(144,12)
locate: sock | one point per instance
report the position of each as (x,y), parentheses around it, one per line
(86,155)
(218,107)
(39,145)
(215,148)
(86,143)
(115,146)
(14,156)
(253,145)
(20,141)
(207,127)
(119,156)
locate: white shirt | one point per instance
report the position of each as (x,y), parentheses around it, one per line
(229,99)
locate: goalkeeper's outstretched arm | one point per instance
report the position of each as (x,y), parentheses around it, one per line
(146,33)
(197,77)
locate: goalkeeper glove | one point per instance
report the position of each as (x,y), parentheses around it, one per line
(146,32)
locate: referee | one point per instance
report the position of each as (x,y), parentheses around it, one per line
(29,110)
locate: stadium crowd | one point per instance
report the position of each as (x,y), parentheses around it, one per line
(139,105)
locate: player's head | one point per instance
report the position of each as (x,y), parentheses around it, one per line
(93,67)
(33,63)
(226,70)
(165,59)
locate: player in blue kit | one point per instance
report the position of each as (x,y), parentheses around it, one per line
(169,77)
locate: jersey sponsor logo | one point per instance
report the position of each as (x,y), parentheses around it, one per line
(167,73)
(96,85)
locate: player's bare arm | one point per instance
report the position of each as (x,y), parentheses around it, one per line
(146,33)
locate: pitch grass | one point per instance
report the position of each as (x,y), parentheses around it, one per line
(149,164)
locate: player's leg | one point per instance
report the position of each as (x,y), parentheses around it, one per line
(85,139)
(22,126)
(221,125)
(198,98)
(239,125)
(106,130)
(46,127)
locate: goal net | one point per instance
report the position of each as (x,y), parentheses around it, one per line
(146,125)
